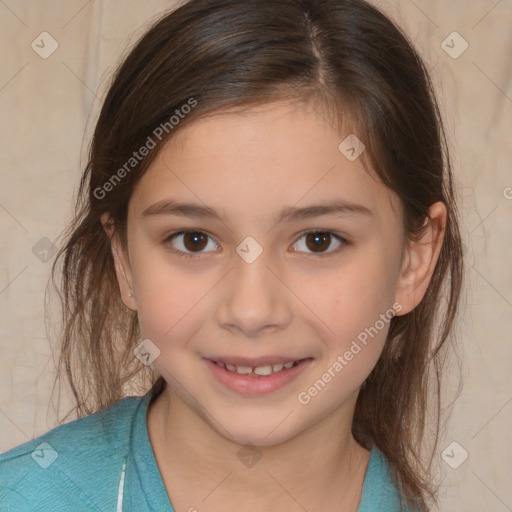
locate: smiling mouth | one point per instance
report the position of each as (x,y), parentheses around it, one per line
(259,371)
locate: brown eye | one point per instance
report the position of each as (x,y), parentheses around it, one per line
(186,243)
(192,243)
(320,241)
(194,240)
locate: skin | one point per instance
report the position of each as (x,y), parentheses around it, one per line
(286,302)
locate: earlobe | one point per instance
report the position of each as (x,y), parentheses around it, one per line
(420,260)
(122,266)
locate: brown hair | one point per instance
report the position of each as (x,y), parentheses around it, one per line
(356,67)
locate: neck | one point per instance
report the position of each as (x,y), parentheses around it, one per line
(322,468)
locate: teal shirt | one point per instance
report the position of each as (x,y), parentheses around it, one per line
(105,462)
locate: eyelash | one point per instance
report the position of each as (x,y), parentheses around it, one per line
(187,255)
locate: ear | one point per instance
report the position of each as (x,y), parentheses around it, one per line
(420,258)
(121,263)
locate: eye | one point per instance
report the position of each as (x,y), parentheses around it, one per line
(192,241)
(319,240)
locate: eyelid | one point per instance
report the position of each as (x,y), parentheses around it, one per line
(343,240)
(183,254)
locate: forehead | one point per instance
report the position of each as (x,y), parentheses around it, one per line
(260,159)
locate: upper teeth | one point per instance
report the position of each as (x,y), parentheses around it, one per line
(258,370)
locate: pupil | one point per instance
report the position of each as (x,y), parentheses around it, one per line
(317,237)
(196,237)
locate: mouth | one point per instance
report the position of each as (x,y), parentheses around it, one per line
(256,376)
(261,370)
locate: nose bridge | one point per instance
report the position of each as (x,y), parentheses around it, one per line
(254,296)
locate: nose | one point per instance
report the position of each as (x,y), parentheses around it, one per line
(254,298)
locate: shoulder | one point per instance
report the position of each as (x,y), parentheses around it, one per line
(380,491)
(72,464)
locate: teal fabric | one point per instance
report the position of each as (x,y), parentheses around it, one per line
(79,466)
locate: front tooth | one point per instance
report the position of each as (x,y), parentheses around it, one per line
(220,364)
(263,370)
(277,367)
(288,365)
(243,369)
(231,367)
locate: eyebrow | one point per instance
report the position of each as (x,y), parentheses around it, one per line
(287,214)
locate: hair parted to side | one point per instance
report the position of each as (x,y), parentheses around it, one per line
(350,62)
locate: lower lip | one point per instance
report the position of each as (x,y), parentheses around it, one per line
(256,385)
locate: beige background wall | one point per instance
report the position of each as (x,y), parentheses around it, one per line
(48,107)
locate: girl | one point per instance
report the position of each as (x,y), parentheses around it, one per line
(264,234)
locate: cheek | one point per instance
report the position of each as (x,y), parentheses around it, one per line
(354,305)
(355,296)
(356,308)
(168,299)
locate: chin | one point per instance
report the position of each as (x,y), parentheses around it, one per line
(258,432)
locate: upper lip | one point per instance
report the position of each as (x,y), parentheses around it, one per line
(255,361)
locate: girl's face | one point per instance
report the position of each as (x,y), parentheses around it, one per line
(260,287)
